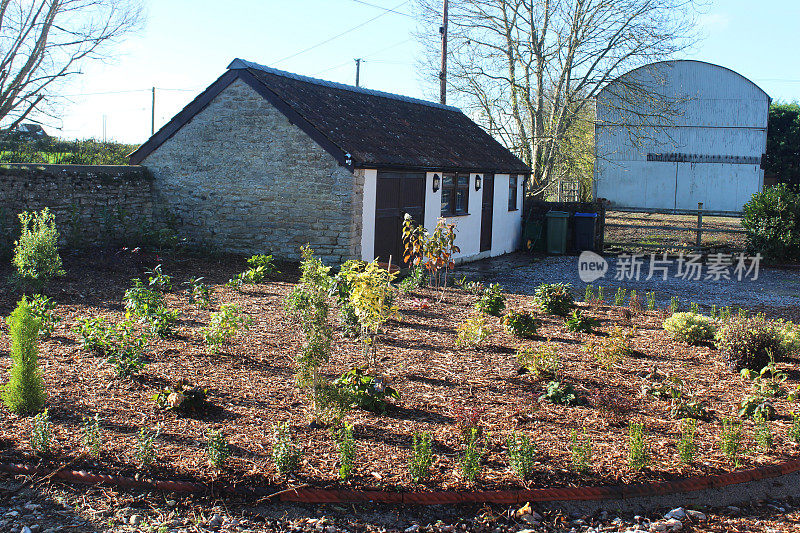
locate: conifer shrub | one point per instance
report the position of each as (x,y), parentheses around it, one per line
(24,393)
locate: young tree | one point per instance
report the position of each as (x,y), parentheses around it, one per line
(24,393)
(43,42)
(530,70)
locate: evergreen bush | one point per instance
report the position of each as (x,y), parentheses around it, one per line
(24,393)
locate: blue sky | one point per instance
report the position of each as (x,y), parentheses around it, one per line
(186,44)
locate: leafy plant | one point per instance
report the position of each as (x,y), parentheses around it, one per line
(421,456)
(347,450)
(414,280)
(694,308)
(690,328)
(90,435)
(520,324)
(433,250)
(217,448)
(42,308)
(577,322)
(146,447)
(674,304)
(36,257)
(158,281)
(365,391)
(182,397)
(471,459)
(473,331)
(541,361)
(619,296)
(285,453)
(24,393)
(731,440)
(225,325)
(749,343)
(581,451)
(794,429)
(199,293)
(262,266)
(471,286)
(651,300)
(588,295)
(467,418)
(554,298)
(521,454)
(609,350)
(635,302)
(638,453)
(148,305)
(41,434)
(686,446)
(125,349)
(561,393)
(492,300)
(763,432)
(772,221)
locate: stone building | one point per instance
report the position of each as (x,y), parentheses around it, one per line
(266,160)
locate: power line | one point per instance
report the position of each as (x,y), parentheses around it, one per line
(326,41)
(384,8)
(371,54)
(126,91)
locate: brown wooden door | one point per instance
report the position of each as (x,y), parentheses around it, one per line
(398,193)
(487,212)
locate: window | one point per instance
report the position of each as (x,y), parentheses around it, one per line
(512,192)
(455,194)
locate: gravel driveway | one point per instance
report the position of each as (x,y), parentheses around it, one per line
(776,291)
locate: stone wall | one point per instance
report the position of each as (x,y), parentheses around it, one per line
(92,204)
(240,177)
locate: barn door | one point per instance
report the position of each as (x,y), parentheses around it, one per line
(487,212)
(398,193)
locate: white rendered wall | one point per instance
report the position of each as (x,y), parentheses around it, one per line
(506,225)
(368,215)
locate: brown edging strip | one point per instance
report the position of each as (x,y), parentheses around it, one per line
(507,497)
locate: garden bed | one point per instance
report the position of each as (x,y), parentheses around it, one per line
(251,382)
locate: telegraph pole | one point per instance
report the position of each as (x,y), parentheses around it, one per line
(443,72)
(153,114)
(358,69)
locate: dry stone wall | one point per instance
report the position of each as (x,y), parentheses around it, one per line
(240,177)
(92,204)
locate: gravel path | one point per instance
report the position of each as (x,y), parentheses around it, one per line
(58,508)
(776,290)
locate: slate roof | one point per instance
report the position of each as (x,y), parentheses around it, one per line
(361,127)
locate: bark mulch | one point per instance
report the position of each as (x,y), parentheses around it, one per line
(251,382)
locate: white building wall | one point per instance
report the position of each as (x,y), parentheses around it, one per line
(368,214)
(507,225)
(721,113)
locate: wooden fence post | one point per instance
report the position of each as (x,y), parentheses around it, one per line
(699,224)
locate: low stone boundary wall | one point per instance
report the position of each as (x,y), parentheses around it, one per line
(100,204)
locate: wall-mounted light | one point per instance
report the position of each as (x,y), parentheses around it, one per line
(478,182)
(437,181)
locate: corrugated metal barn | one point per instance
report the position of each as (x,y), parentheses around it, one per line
(675,133)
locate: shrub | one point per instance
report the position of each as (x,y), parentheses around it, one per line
(24,392)
(148,305)
(674,304)
(651,300)
(561,393)
(225,325)
(471,286)
(521,454)
(471,459)
(473,331)
(36,252)
(588,294)
(158,281)
(763,433)
(347,450)
(790,337)
(285,453)
(434,250)
(554,298)
(492,300)
(581,451)
(42,308)
(686,446)
(261,266)
(126,350)
(749,343)
(577,322)
(794,429)
(619,296)
(609,350)
(731,440)
(414,280)
(772,221)
(690,328)
(365,391)
(421,456)
(217,448)
(638,454)
(199,292)
(41,434)
(146,447)
(90,435)
(542,361)
(467,418)
(520,324)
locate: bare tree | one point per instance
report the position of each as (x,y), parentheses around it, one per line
(530,70)
(45,42)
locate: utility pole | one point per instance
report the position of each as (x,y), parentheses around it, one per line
(358,69)
(153,113)
(443,72)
